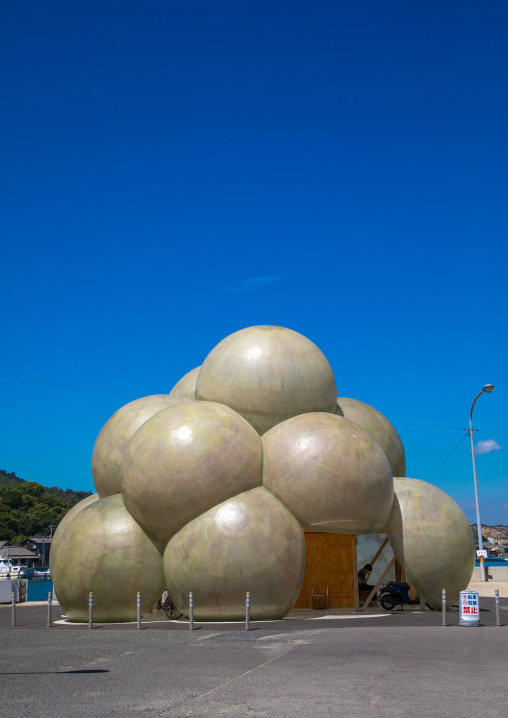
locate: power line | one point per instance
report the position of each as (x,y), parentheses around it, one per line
(458,428)
(68,386)
(429,426)
(137,396)
(482,431)
(455,449)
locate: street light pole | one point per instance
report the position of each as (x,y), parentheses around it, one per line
(487,389)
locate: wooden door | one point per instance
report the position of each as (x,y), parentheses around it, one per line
(329,561)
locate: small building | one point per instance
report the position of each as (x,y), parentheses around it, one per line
(41,545)
(19,556)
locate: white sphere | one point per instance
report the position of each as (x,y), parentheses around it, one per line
(432,539)
(268,374)
(116,433)
(186,387)
(381,429)
(330,473)
(186,459)
(249,543)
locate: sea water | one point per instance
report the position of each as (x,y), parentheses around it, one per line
(38,588)
(492,562)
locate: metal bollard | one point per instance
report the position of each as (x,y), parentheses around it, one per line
(138,609)
(443,603)
(191,611)
(50,601)
(483,573)
(498,612)
(13,600)
(422,604)
(247,611)
(90,610)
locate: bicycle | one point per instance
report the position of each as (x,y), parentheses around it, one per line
(171,610)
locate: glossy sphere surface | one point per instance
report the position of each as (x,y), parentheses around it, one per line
(432,539)
(66,521)
(249,543)
(268,374)
(115,435)
(186,387)
(105,551)
(381,429)
(330,473)
(186,459)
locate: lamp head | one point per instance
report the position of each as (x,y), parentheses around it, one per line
(488,388)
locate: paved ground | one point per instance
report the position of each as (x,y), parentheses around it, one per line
(34,616)
(398,664)
(488,588)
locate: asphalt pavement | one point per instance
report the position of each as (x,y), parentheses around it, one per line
(380,664)
(35,615)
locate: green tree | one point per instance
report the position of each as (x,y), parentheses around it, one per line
(29,509)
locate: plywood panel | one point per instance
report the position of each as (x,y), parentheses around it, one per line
(329,562)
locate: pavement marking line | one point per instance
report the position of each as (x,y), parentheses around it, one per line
(66,622)
(233,623)
(290,646)
(340,618)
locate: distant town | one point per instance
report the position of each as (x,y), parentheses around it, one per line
(495,538)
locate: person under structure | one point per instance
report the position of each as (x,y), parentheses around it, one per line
(363,585)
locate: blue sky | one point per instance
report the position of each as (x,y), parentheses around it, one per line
(174,171)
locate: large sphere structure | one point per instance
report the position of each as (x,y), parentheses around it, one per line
(69,516)
(221,476)
(116,433)
(381,429)
(432,539)
(268,374)
(330,473)
(249,543)
(185,460)
(105,551)
(186,387)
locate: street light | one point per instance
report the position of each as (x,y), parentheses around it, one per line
(487,389)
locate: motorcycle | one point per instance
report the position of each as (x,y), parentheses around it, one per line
(396,594)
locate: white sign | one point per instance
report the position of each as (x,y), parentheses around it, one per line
(469,608)
(483,553)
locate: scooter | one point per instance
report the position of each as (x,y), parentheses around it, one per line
(396,594)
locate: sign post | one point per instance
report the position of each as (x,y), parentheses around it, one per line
(469,608)
(481,554)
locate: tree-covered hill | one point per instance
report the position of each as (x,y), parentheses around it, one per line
(30,509)
(67,496)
